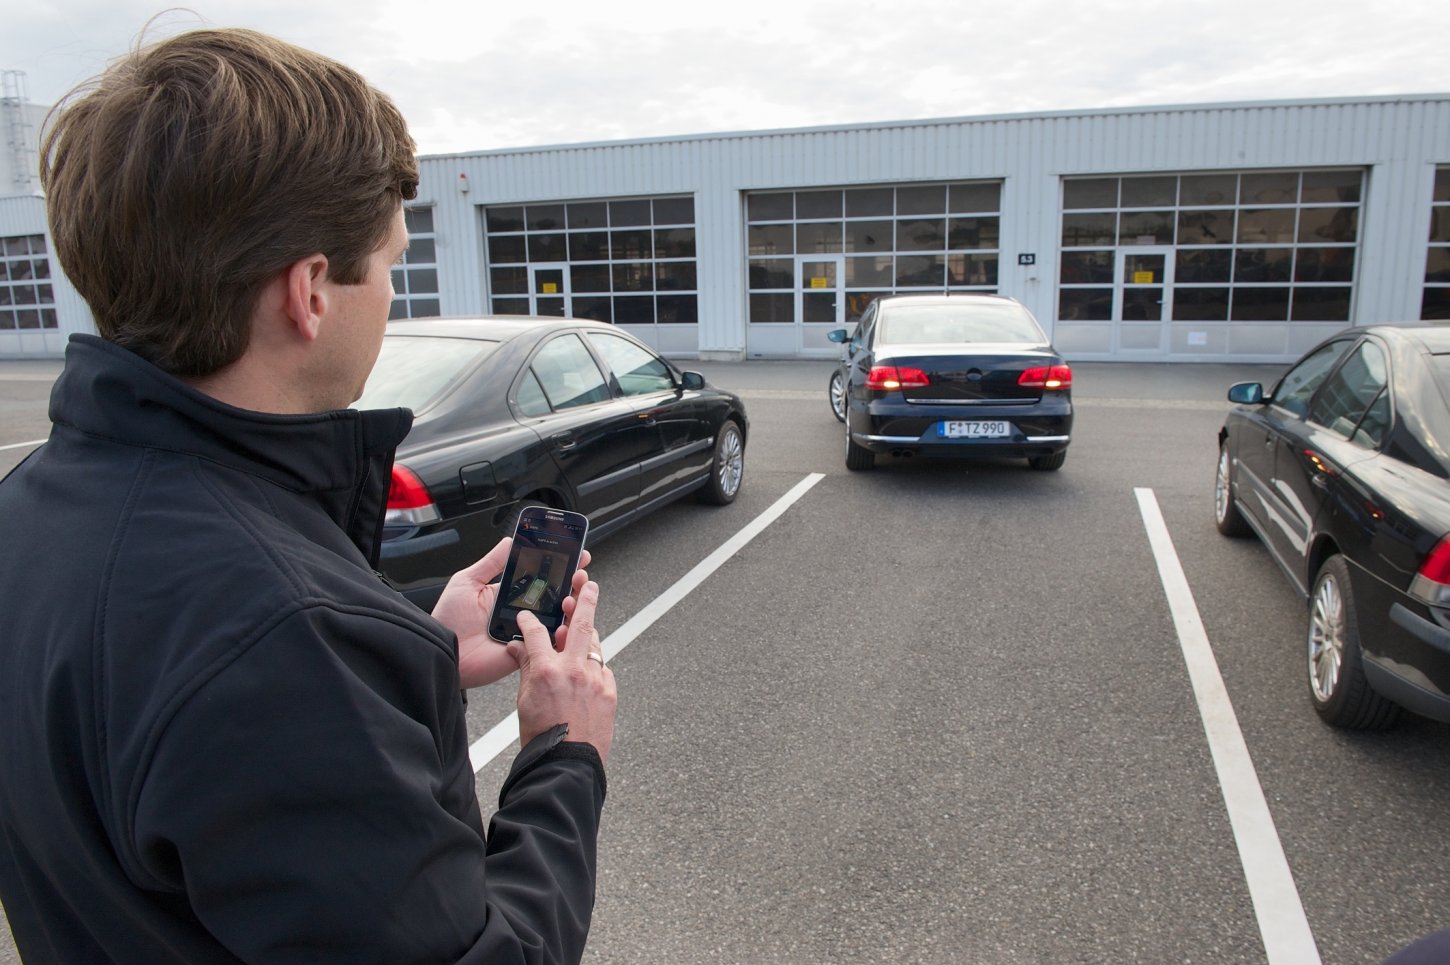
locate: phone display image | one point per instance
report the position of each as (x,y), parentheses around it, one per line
(541,564)
(539,585)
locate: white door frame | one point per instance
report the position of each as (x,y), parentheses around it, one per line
(812,341)
(534,294)
(1135,332)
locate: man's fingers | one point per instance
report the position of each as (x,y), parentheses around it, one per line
(491,564)
(582,635)
(536,636)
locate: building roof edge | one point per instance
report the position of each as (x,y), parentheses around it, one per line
(940,121)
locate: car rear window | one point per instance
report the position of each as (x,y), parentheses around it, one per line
(414,370)
(930,324)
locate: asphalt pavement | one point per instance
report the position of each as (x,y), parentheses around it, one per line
(939,712)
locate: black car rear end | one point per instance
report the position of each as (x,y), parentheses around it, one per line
(957,377)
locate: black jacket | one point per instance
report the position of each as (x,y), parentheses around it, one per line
(222,736)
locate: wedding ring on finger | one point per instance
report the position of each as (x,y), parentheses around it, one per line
(596,657)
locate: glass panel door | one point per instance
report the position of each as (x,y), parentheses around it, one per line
(1142,302)
(820,303)
(549,293)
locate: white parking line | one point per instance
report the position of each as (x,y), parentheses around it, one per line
(21,445)
(506,731)
(1282,924)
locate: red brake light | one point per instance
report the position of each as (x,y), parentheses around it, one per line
(1432,583)
(409,503)
(889,377)
(407,490)
(1437,565)
(1046,377)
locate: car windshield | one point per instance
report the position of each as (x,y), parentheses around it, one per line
(413,370)
(931,324)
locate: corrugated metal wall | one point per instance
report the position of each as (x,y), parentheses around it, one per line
(26,216)
(1397,140)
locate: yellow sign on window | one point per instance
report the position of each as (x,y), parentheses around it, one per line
(1142,278)
(820,283)
(552,288)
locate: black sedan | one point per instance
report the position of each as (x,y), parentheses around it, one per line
(513,412)
(954,376)
(1343,471)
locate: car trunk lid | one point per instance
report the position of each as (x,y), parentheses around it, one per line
(984,374)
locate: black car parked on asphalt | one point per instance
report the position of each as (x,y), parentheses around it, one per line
(514,411)
(1343,471)
(955,376)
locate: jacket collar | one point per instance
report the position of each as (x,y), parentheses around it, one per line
(342,459)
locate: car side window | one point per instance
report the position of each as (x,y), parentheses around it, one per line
(1349,392)
(638,371)
(1297,386)
(1375,424)
(862,329)
(568,374)
(531,399)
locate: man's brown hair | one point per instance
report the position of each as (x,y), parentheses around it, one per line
(192,171)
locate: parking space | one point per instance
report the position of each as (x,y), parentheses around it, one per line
(940,712)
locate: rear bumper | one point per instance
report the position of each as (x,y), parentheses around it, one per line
(420,561)
(1410,683)
(900,427)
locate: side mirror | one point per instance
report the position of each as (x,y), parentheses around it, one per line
(1246,393)
(692,380)
(837,335)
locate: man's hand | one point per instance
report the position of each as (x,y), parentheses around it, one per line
(565,681)
(464,608)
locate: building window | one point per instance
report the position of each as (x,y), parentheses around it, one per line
(802,247)
(627,261)
(1436,302)
(27,298)
(1251,246)
(415,279)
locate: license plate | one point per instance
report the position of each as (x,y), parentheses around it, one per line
(977,429)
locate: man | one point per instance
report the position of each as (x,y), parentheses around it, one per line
(222,736)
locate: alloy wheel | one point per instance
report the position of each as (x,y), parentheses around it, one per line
(1221,494)
(838,397)
(732,462)
(1326,639)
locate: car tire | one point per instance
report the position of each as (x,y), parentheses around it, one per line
(1341,694)
(837,392)
(1048,463)
(727,468)
(856,456)
(1226,513)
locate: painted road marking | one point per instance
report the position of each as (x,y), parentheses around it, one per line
(506,731)
(21,445)
(1282,924)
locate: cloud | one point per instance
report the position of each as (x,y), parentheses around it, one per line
(478,75)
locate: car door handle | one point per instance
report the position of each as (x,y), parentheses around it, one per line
(564,440)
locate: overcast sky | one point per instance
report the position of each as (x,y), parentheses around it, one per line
(479,75)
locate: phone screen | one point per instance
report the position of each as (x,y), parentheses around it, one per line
(540,568)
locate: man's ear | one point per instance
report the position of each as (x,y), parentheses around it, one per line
(306,296)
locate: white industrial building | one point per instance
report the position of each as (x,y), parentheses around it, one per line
(1224,232)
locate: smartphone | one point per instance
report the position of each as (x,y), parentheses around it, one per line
(540,570)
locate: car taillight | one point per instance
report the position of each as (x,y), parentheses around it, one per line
(409,503)
(1046,377)
(1432,583)
(890,377)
